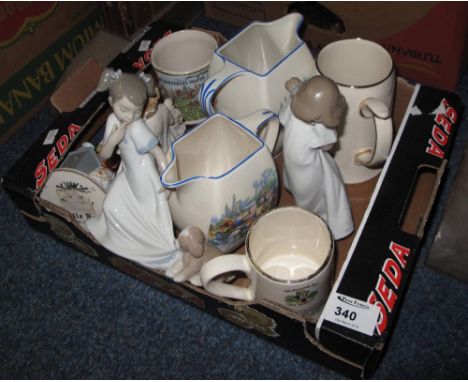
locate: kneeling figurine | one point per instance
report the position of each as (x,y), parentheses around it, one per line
(135,221)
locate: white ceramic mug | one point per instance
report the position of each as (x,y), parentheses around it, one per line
(181,62)
(365,73)
(289,261)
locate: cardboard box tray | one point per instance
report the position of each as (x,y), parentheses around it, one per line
(374,265)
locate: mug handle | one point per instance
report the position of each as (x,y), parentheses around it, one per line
(224,264)
(373,108)
(212,84)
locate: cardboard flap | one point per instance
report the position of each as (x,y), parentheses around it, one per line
(32,169)
(77,87)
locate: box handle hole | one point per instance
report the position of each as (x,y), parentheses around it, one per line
(418,206)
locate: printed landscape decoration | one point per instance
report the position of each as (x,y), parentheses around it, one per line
(232,226)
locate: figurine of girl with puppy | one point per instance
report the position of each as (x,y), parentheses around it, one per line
(310,172)
(135,221)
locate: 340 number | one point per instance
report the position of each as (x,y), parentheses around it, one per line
(345,313)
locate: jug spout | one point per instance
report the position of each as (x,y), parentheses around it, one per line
(167,168)
(169,176)
(289,25)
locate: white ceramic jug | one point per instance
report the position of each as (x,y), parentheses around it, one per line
(223,177)
(248,73)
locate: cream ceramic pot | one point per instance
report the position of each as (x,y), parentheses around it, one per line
(248,73)
(365,75)
(181,61)
(289,261)
(223,177)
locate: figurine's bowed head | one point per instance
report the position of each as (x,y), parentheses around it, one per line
(128,93)
(317,100)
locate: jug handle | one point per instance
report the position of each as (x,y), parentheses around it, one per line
(212,84)
(369,157)
(255,121)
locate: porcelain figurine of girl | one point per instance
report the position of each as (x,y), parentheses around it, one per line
(310,172)
(135,221)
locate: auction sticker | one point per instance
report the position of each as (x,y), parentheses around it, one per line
(352,313)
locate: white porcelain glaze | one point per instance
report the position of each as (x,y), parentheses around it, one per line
(223,177)
(289,261)
(311,174)
(135,221)
(365,74)
(249,71)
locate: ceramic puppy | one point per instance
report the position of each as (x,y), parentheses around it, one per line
(196,252)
